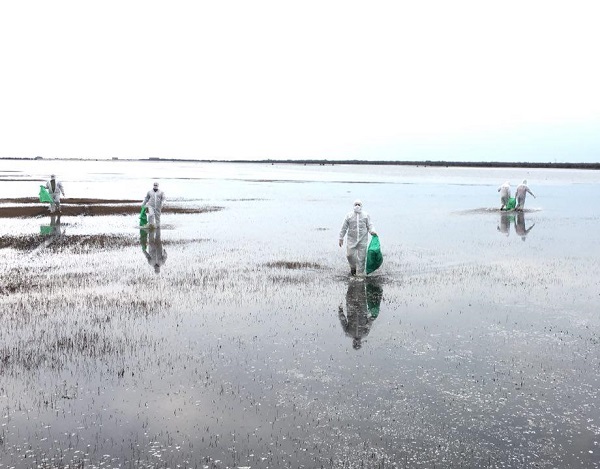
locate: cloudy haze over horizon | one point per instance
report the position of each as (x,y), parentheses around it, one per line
(457,81)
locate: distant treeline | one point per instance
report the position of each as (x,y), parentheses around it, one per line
(462,164)
(468,164)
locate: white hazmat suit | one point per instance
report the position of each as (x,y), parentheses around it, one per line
(55,189)
(521,193)
(153,202)
(356,228)
(504,190)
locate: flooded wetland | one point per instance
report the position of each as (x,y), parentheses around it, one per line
(228,337)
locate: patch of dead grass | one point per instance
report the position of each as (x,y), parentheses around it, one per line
(295,265)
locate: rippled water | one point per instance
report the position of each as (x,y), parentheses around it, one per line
(239,351)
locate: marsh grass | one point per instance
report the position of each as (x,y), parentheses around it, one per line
(71,243)
(74,243)
(293,265)
(29,207)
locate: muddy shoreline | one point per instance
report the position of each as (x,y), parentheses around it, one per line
(30,207)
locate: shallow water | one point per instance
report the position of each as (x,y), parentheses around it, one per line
(239,351)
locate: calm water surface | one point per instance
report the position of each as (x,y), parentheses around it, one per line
(484,352)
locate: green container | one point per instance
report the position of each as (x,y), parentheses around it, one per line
(512,203)
(143,217)
(374,296)
(374,256)
(44,195)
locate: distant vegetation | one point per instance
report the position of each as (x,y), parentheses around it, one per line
(474,164)
(467,164)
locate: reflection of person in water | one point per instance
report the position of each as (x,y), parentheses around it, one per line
(144,240)
(152,248)
(362,308)
(505,220)
(55,224)
(520,225)
(53,232)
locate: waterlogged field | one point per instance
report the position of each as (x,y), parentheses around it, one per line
(234,337)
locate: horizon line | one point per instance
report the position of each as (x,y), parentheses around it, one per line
(323,162)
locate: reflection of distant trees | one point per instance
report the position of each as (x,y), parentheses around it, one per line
(363,300)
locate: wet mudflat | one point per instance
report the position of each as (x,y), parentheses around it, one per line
(479,336)
(31,207)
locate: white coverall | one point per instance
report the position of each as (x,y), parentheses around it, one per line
(504,190)
(153,201)
(357,226)
(55,189)
(521,193)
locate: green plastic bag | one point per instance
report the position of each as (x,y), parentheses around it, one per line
(374,256)
(143,217)
(44,195)
(512,203)
(144,239)
(374,295)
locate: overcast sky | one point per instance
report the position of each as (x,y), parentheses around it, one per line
(398,80)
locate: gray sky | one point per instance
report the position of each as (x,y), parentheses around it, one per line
(398,80)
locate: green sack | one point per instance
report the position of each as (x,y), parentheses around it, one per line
(144,239)
(44,195)
(374,295)
(143,218)
(512,203)
(374,256)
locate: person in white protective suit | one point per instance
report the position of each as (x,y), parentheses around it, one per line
(504,190)
(153,202)
(521,193)
(356,228)
(55,189)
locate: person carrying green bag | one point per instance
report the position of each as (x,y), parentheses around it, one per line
(356,229)
(504,190)
(55,189)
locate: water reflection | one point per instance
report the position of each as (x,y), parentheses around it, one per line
(52,232)
(152,248)
(505,221)
(518,218)
(363,300)
(520,225)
